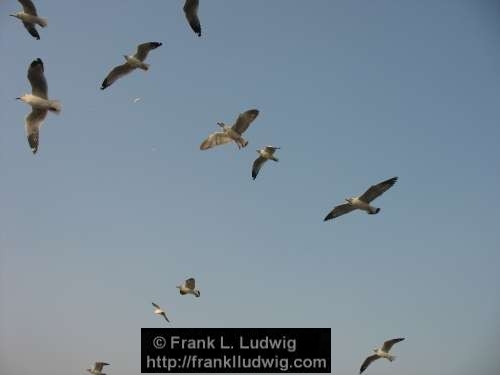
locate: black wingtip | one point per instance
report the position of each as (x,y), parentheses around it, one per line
(104,84)
(156,44)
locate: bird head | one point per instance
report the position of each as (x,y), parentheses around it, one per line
(14,15)
(22,97)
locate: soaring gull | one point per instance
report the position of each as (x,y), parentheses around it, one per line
(233,133)
(188,287)
(363,202)
(382,352)
(39,102)
(191,11)
(97,370)
(131,62)
(30,18)
(159,311)
(265,154)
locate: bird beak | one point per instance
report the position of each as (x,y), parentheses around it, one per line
(12,15)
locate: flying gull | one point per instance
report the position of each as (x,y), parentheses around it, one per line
(233,133)
(265,154)
(188,287)
(39,102)
(159,311)
(363,202)
(191,11)
(30,18)
(131,62)
(382,352)
(97,370)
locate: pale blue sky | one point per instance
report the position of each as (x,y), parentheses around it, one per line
(119,204)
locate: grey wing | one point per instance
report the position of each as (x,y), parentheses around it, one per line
(389,343)
(28,7)
(32,30)
(32,127)
(244,120)
(215,139)
(191,11)
(190,283)
(117,72)
(257,164)
(144,48)
(155,305)
(37,79)
(377,190)
(99,365)
(367,362)
(339,211)
(165,316)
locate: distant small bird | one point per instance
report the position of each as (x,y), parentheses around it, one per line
(159,311)
(380,353)
(363,202)
(97,370)
(188,287)
(136,100)
(30,18)
(191,11)
(233,133)
(266,153)
(132,62)
(39,102)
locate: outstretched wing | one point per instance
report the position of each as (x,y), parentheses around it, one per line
(339,211)
(215,139)
(32,30)
(99,365)
(165,316)
(117,72)
(144,48)
(32,127)
(271,149)
(191,11)
(244,120)
(28,7)
(377,190)
(37,79)
(367,362)
(389,343)
(257,164)
(155,305)
(190,283)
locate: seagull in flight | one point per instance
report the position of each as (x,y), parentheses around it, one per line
(39,102)
(188,287)
(233,133)
(191,11)
(363,201)
(30,18)
(382,352)
(132,62)
(265,154)
(159,311)
(97,370)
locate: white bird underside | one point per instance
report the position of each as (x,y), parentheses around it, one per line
(380,353)
(191,11)
(265,154)
(131,63)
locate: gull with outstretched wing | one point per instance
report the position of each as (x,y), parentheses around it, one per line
(265,154)
(97,370)
(189,287)
(382,352)
(29,18)
(159,311)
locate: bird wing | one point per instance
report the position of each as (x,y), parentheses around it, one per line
(32,30)
(389,343)
(215,139)
(257,164)
(191,11)
(339,211)
(28,7)
(271,149)
(144,48)
(367,362)
(155,305)
(165,316)
(37,79)
(32,127)
(190,283)
(117,72)
(377,190)
(99,365)
(244,120)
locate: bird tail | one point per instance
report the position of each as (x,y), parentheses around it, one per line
(391,358)
(275,158)
(55,106)
(197,293)
(144,66)
(375,211)
(42,22)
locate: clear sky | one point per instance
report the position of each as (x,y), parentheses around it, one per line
(119,204)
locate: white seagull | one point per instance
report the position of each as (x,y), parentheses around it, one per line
(188,287)
(30,18)
(39,102)
(382,352)
(97,370)
(191,11)
(265,154)
(132,62)
(233,133)
(363,202)
(159,311)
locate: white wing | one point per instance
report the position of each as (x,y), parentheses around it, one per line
(215,139)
